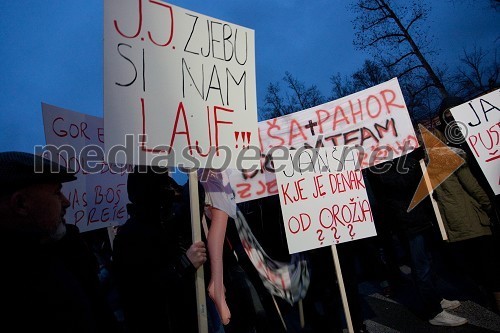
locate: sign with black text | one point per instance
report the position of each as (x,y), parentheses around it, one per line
(479,121)
(323,197)
(179,87)
(376,119)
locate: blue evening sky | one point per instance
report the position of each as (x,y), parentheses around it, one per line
(51,51)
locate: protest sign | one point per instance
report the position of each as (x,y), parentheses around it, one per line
(323,197)
(98,197)
(376,119)
(479,121)
(179,87)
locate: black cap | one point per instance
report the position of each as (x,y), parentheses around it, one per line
(20,169)
(151,184)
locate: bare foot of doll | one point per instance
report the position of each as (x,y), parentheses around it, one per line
(219,299)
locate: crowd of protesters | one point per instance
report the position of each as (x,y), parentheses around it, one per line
(60,280)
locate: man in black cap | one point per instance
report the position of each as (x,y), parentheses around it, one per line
(48,281)
(154,258)
(31,201)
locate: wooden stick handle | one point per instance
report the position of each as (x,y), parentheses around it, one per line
(196,235)
(433,201)
(343,294)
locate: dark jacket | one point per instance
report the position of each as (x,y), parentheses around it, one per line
(394,188)
(155,278)
(464,206)
(51,287)
(448,131)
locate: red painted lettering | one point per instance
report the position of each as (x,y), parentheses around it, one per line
(295,123)
(356,113)
(272,125)
(180,110)
(244,190)
(390,101)
(217,122)
(369,106)
(336,121)
(321,120)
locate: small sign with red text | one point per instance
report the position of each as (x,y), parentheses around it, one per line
(98,198)
(479,121)
(323,197)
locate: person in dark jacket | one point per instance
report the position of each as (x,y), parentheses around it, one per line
(466,208)
(449,132)
(49,280)
(394,185)
(452,136)
(154,262)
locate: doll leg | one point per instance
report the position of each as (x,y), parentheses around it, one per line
(216,235)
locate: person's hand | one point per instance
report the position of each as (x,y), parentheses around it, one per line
(197,254)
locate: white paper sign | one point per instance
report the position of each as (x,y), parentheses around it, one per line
(376,119)
(98,197)
(176,83)
(323,197)
(479,121)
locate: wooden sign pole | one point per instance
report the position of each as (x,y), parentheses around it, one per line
(301,315)
(434,203)
(196,235)
(343,294)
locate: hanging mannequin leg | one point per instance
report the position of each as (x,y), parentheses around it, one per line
(216,235)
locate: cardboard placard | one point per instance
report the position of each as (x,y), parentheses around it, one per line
(98,197)
(479,121)
(179,87)
(323,197)
(376,119)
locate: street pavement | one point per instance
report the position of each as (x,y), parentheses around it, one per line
(392,317)
(400,312)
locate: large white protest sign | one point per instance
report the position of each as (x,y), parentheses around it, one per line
(98,197)
(376,119)
(479,121)
(323,197)
(176,83)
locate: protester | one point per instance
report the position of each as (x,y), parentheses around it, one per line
(465,209)
(395,183)
(49,282)
(154,259)
(453,137)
